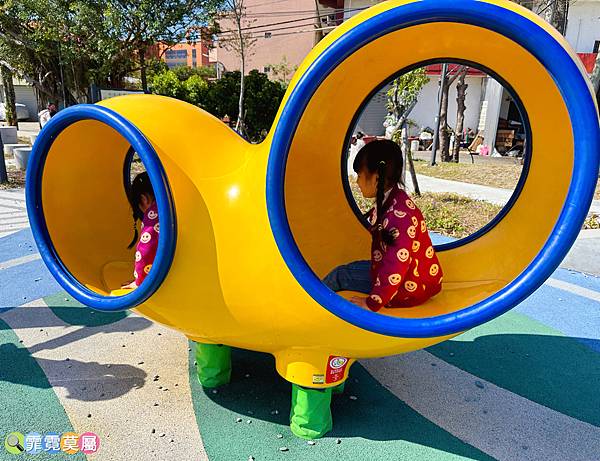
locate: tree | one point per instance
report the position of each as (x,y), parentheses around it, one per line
(283,71)
(221,97)
(461,94)
(10,107)
(445,130)
(241,43)
(63,46)
(401,99)
(140,24)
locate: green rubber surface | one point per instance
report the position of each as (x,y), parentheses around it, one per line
(532,360)
(375,426)
(28,402)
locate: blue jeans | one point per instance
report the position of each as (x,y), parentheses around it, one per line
(355,276)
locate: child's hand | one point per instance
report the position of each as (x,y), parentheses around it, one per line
(129,286)
(360,301)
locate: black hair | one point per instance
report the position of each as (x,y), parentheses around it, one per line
(383,157)
(141,185)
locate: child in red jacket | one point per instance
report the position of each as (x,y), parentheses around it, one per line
(143,204)
(404,270)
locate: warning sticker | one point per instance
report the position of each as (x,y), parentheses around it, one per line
(318,379)
(336,367)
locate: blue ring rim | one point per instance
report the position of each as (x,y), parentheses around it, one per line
(527,153)
(576,94)
(165,204)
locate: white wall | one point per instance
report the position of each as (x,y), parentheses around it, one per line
(348,4)
(583,27)
(24,94)
(371,121)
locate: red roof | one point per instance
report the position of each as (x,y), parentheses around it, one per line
(589,60)
(436,69)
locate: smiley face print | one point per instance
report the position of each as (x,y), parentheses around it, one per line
(146,237)
(394,279)
(415,246)
(429,252)
(377,282)
(377,256)
(394,233)
(412,232)
(135,274)
(415,221)
(434,269)
(147,269)
(138,256)
(157,228)
(385,222)
(376,298)
(403,255)
(423,227)
(410,204)
(152,214)
(410,286)
(399,214)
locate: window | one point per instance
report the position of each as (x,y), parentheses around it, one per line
(176,54)
(267,34)
(597,46)
(267,69)
(194,53)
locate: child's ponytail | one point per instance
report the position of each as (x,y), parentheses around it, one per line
(384,234)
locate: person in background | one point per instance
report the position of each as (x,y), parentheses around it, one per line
(47,114)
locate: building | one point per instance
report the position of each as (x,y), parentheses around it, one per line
(184,54)
(280,32)
(488,102)
(423,115)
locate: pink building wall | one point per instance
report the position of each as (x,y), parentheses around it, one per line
(291,40)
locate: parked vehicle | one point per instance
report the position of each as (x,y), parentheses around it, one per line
(22,112)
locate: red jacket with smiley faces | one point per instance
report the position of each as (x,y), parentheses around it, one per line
(146,247)
(407,272)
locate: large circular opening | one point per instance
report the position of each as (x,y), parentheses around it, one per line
(79,209)
(482,143)
(316,229)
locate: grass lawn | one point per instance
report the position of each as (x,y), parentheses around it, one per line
(16,179)
(454,215)
(493,175)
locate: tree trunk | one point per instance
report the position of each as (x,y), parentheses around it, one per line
(9,96)
(318,26)
(409,160)
(143,74)
(240,125)
(461,93)
(560,13)
(596,78)
(444,135)
(3,175)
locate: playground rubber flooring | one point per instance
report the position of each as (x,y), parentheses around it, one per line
(522,387)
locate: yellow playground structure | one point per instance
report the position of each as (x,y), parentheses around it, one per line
(248,230)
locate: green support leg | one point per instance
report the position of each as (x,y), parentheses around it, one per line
(213,364)
(310,417)
(339,389)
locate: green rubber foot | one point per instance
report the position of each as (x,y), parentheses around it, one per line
(339,389)
(213,364)
(310,417)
